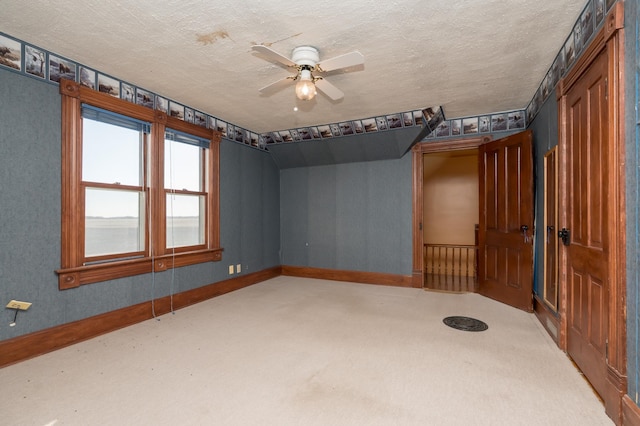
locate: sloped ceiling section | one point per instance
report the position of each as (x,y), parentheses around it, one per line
(365,147)
(392,144)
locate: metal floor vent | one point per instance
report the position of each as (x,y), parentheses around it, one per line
(465,323)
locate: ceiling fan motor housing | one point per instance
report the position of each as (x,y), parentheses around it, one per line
(305,59)
(305,55)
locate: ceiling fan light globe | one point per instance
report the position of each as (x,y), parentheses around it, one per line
(305,90)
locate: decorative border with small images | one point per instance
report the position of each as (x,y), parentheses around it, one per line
(61,68)
(589,22)
(87,77)
(354,127)
(33,61)
(11,53)
(482,124)
(108,85)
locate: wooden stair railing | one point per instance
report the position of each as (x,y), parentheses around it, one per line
(450,267)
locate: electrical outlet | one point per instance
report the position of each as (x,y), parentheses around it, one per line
(230,269)
(16,304)
(239,268)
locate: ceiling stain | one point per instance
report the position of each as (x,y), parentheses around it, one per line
(211,38)
(269,44)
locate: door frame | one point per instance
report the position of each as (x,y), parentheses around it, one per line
(550,236)
(611,38)
(418,150)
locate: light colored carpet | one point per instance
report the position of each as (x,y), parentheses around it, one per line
(293,351)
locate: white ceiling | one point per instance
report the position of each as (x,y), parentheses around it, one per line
(471,56)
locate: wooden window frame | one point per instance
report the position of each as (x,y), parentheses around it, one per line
(142,187)
(73,272)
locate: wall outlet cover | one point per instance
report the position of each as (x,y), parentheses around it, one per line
(16,304)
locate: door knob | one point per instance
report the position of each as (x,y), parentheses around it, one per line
(565,235)
(524,230)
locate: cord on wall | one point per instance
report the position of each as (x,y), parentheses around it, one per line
(153,261)
(173,242)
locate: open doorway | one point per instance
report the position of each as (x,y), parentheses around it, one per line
(450,218)
(505,193)
(418,221)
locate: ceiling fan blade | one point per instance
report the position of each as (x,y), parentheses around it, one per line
(329,89)
(276,86)
(342,61)
(273,55)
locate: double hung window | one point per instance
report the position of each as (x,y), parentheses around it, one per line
(140,189)
(184,183)
(113,185)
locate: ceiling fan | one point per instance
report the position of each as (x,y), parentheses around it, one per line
(306,61)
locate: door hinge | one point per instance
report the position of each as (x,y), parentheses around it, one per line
(606,349)
(606,88)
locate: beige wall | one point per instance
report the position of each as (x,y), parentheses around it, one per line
(450,197)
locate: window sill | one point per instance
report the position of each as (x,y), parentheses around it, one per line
(75,277)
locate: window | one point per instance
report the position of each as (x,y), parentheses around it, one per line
(140,189)
(113,185)
(184,183)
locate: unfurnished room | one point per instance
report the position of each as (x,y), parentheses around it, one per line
(336,213)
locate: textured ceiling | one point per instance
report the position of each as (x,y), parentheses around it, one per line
(471,57)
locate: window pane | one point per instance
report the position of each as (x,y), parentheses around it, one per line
(114,222)
(185,220)
(111,153)
(182,166)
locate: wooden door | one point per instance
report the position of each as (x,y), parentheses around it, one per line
(587,289)
(505,261)
(550,292)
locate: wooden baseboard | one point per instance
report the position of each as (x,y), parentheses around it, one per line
(549,319)
(351,276)
(417,279)
(40,342)
(613,394)
(630,412)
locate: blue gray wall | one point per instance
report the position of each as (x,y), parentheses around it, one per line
(632,137)
(30,134)
(354,216)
